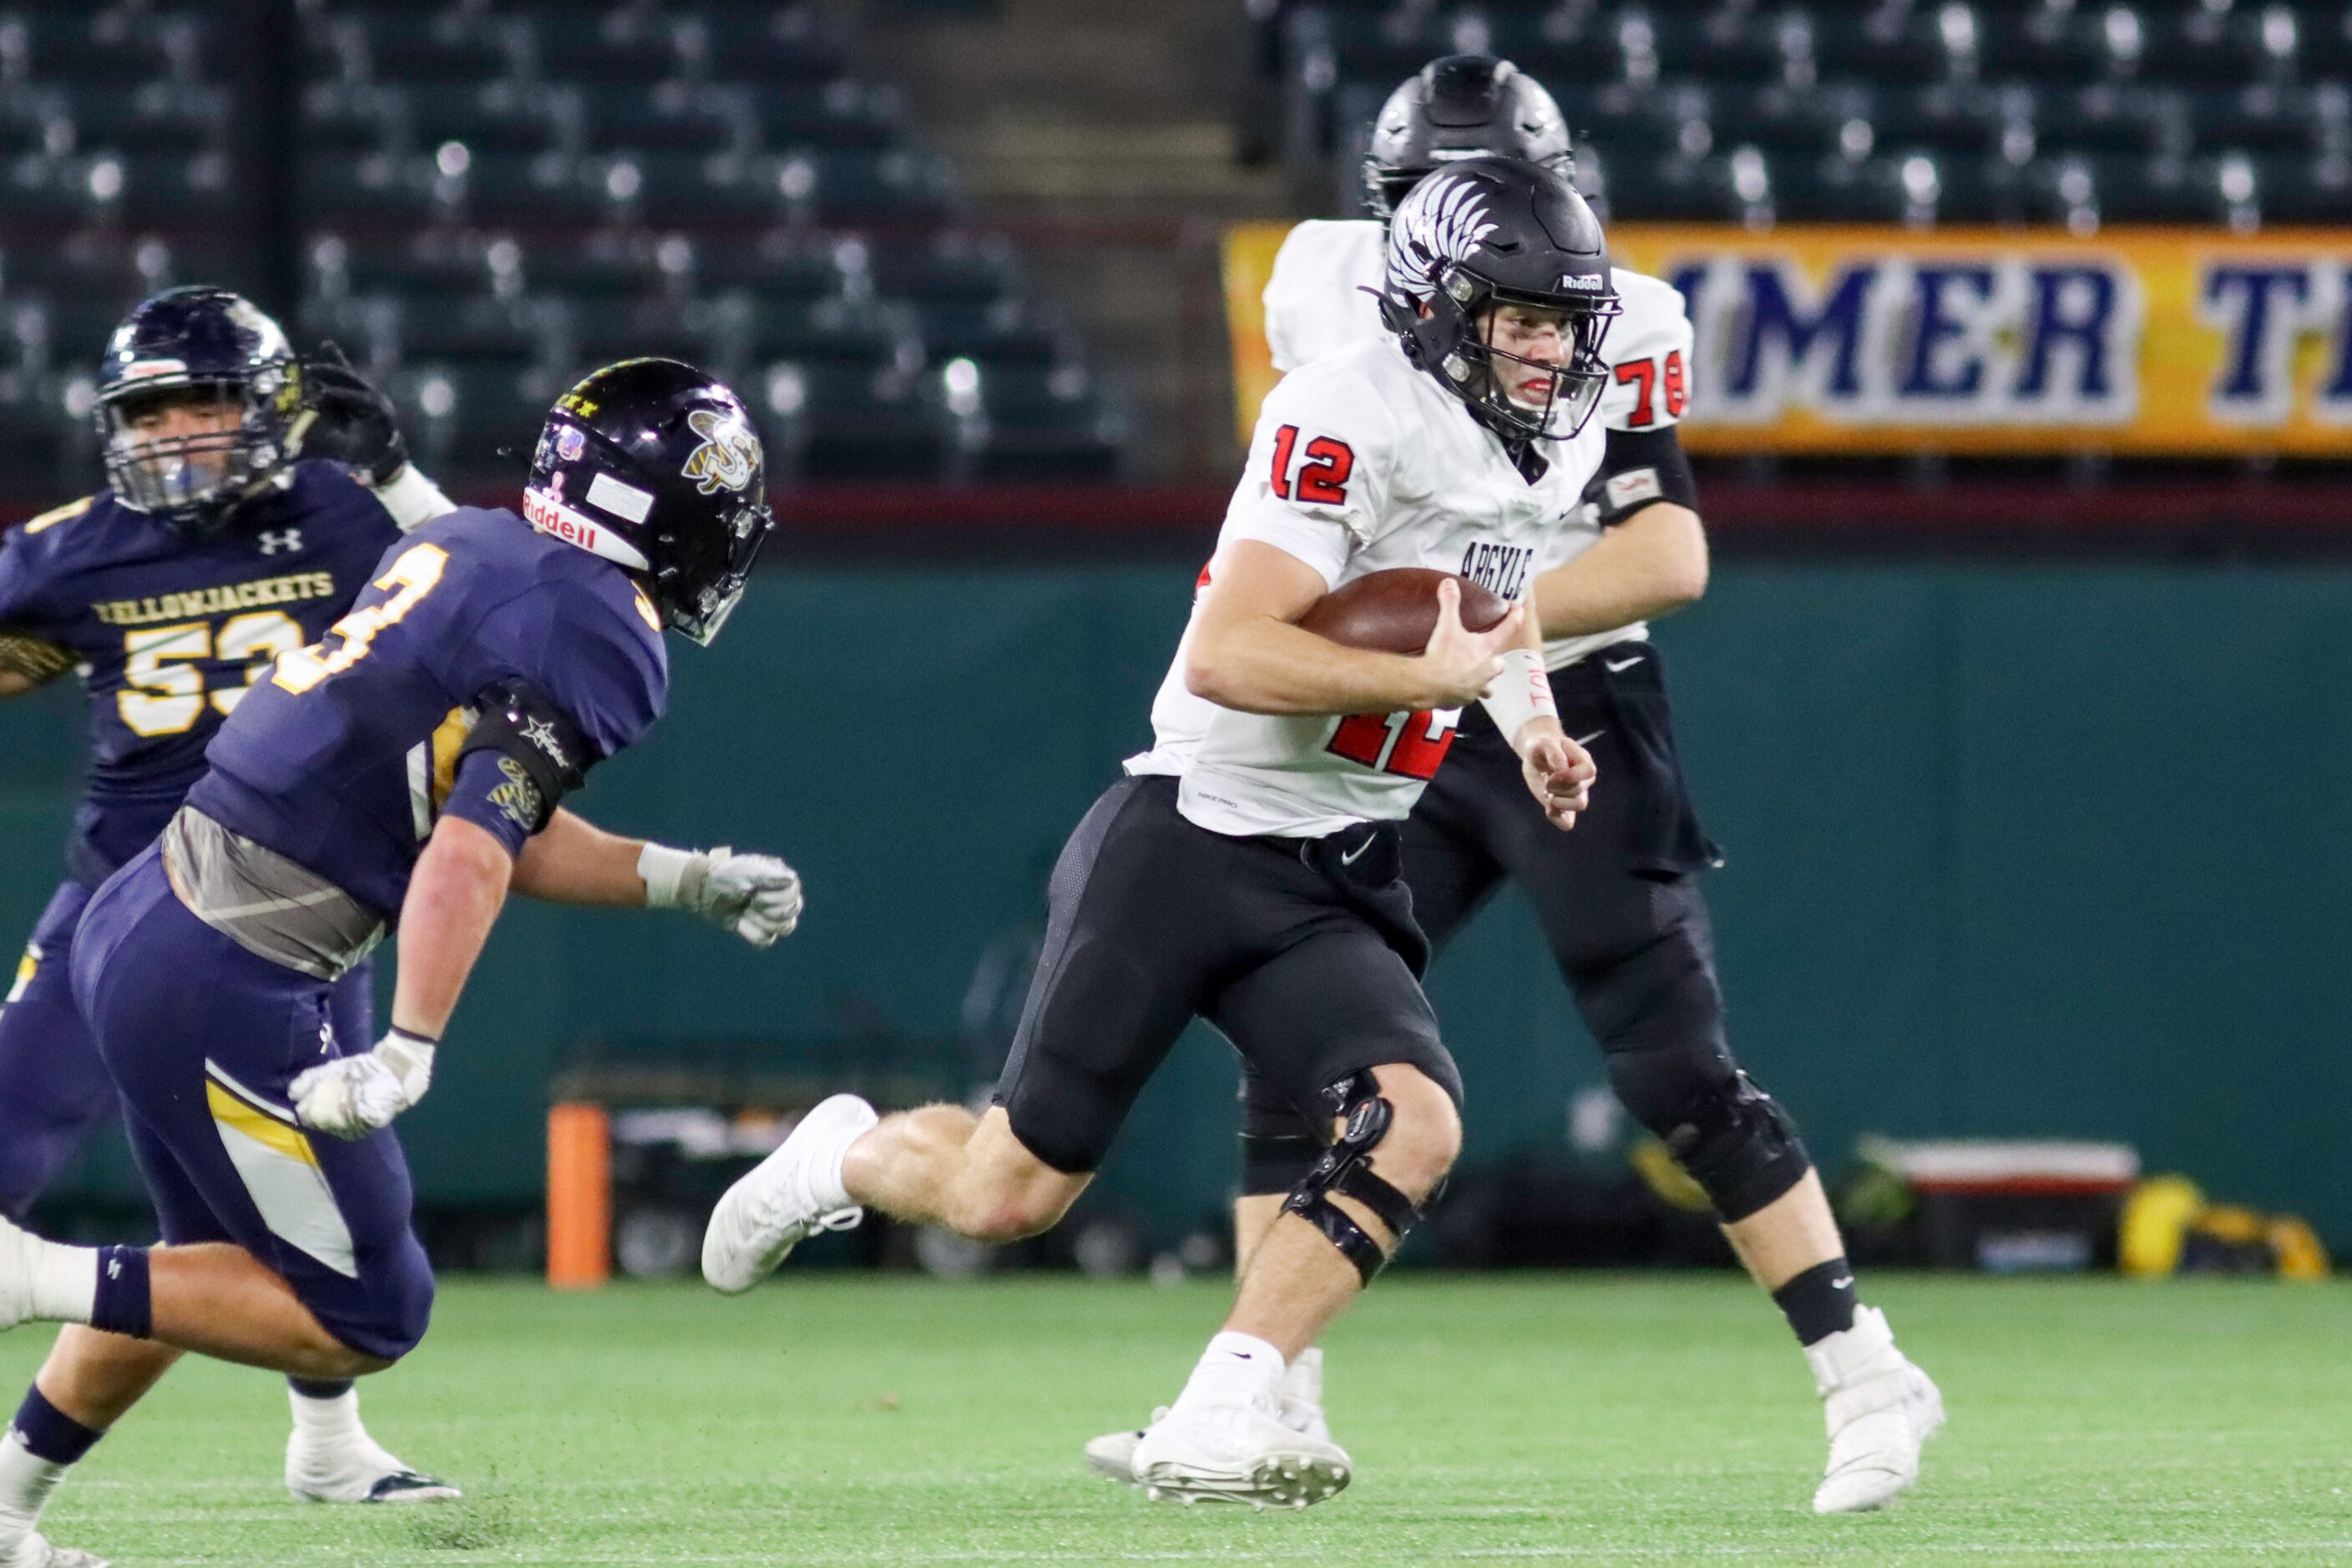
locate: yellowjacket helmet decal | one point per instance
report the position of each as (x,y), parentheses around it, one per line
(729,455)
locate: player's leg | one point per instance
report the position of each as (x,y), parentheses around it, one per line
(330,1455)
(1620,902)
(54,1091)
(1116,983)
(322,1277)
(1338,1023)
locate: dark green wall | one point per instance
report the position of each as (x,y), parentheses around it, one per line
(2020,851)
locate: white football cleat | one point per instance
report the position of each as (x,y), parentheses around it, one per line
(1879,1408)
(35,1551)
(775,1207)
(1236,1453)
(1112,1455)
(357,1470)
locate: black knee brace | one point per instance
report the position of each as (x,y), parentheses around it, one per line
(1741,1147)
(1343,1170)
(1279,1146)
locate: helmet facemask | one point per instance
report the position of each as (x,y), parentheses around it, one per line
(1455,339)
(700,619)
(186,450)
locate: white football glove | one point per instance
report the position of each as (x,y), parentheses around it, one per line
(757,896)
(352,1097)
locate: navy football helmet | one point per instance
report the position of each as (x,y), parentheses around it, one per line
(199,406)
(1457,107)
(654,464)
(1494,232)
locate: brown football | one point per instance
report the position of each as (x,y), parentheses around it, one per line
(1396,611)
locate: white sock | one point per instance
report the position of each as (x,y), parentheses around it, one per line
(1302,1381)
(65,1280)
(326,1422)
(825,1178)
(1236,1369)
(25,1482)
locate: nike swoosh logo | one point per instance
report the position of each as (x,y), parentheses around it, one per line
(1842,1282)
(1351,859)
(1587,740)
(1613,668)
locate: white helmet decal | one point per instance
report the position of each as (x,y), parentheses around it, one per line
(1440,223)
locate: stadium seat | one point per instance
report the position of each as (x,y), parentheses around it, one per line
(599,331)
(2160,190)
(158,189)
(454,264)
(770,45)
(1042,422)
(625,46)
(160,118)
(1713,189)
(608,268)
(2273,121)
(2315,192)
(1630,120)
(480,416)
(2324,43)
(1883,189)
(717,188)
(108,47)
(1962,118)
(551,188)
(1784,122)
(1568,50)
(2206,48)
(1724,46)
(829,332)
(2051,45)
(96,262)
(790,265)
(452,47)
(2105,120)
(831,420)
(673,117)
(1886,47)
(349,120)
(378,188)
(837,115)
(479,331)
(486,116)
(895,186)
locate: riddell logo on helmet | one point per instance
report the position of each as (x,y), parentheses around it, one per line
(547,514)
(1579,280)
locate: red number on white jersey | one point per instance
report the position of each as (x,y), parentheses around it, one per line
(1324,477)
(1410,745)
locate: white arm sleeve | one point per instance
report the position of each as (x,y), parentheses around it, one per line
(411,499)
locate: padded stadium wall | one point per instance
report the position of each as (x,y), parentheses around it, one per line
(2027,849)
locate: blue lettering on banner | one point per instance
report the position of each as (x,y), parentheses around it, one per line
(2259,309)
(1774,316)
(2336,393)
(1939,322)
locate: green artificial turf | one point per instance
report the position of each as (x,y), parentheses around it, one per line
(1524,1418)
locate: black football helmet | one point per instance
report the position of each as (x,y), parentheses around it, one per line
(1492,232)
(654,464)
(1460,107)
(196,349)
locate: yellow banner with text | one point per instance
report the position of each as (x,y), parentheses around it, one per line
(2153,341)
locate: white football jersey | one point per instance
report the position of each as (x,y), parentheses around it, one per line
(1318,300)
(1360,463)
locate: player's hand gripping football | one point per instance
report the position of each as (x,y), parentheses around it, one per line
(1558,772)
(1461,664)
(757,896)
(352,1097)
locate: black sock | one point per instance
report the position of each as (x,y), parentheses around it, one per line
(49,1433)
(1819,1301)
(320,1388)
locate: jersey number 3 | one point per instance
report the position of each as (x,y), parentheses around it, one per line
(1322,479)
(416,572)
(1408,744)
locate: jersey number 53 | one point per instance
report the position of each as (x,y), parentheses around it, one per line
(164,681)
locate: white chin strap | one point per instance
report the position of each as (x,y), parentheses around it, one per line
(549,515)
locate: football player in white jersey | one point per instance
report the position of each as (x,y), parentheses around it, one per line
(1619,898)
(1247,869)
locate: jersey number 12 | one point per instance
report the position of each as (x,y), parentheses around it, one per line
(1408,744)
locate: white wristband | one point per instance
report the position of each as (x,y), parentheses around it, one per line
(1523,692)
(664,869)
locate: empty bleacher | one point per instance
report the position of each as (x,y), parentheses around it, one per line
(2003,111)
(488,198)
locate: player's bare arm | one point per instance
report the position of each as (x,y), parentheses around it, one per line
(459,886)
(573,861)
(1652,565)
(1559,772)
(1249,654)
